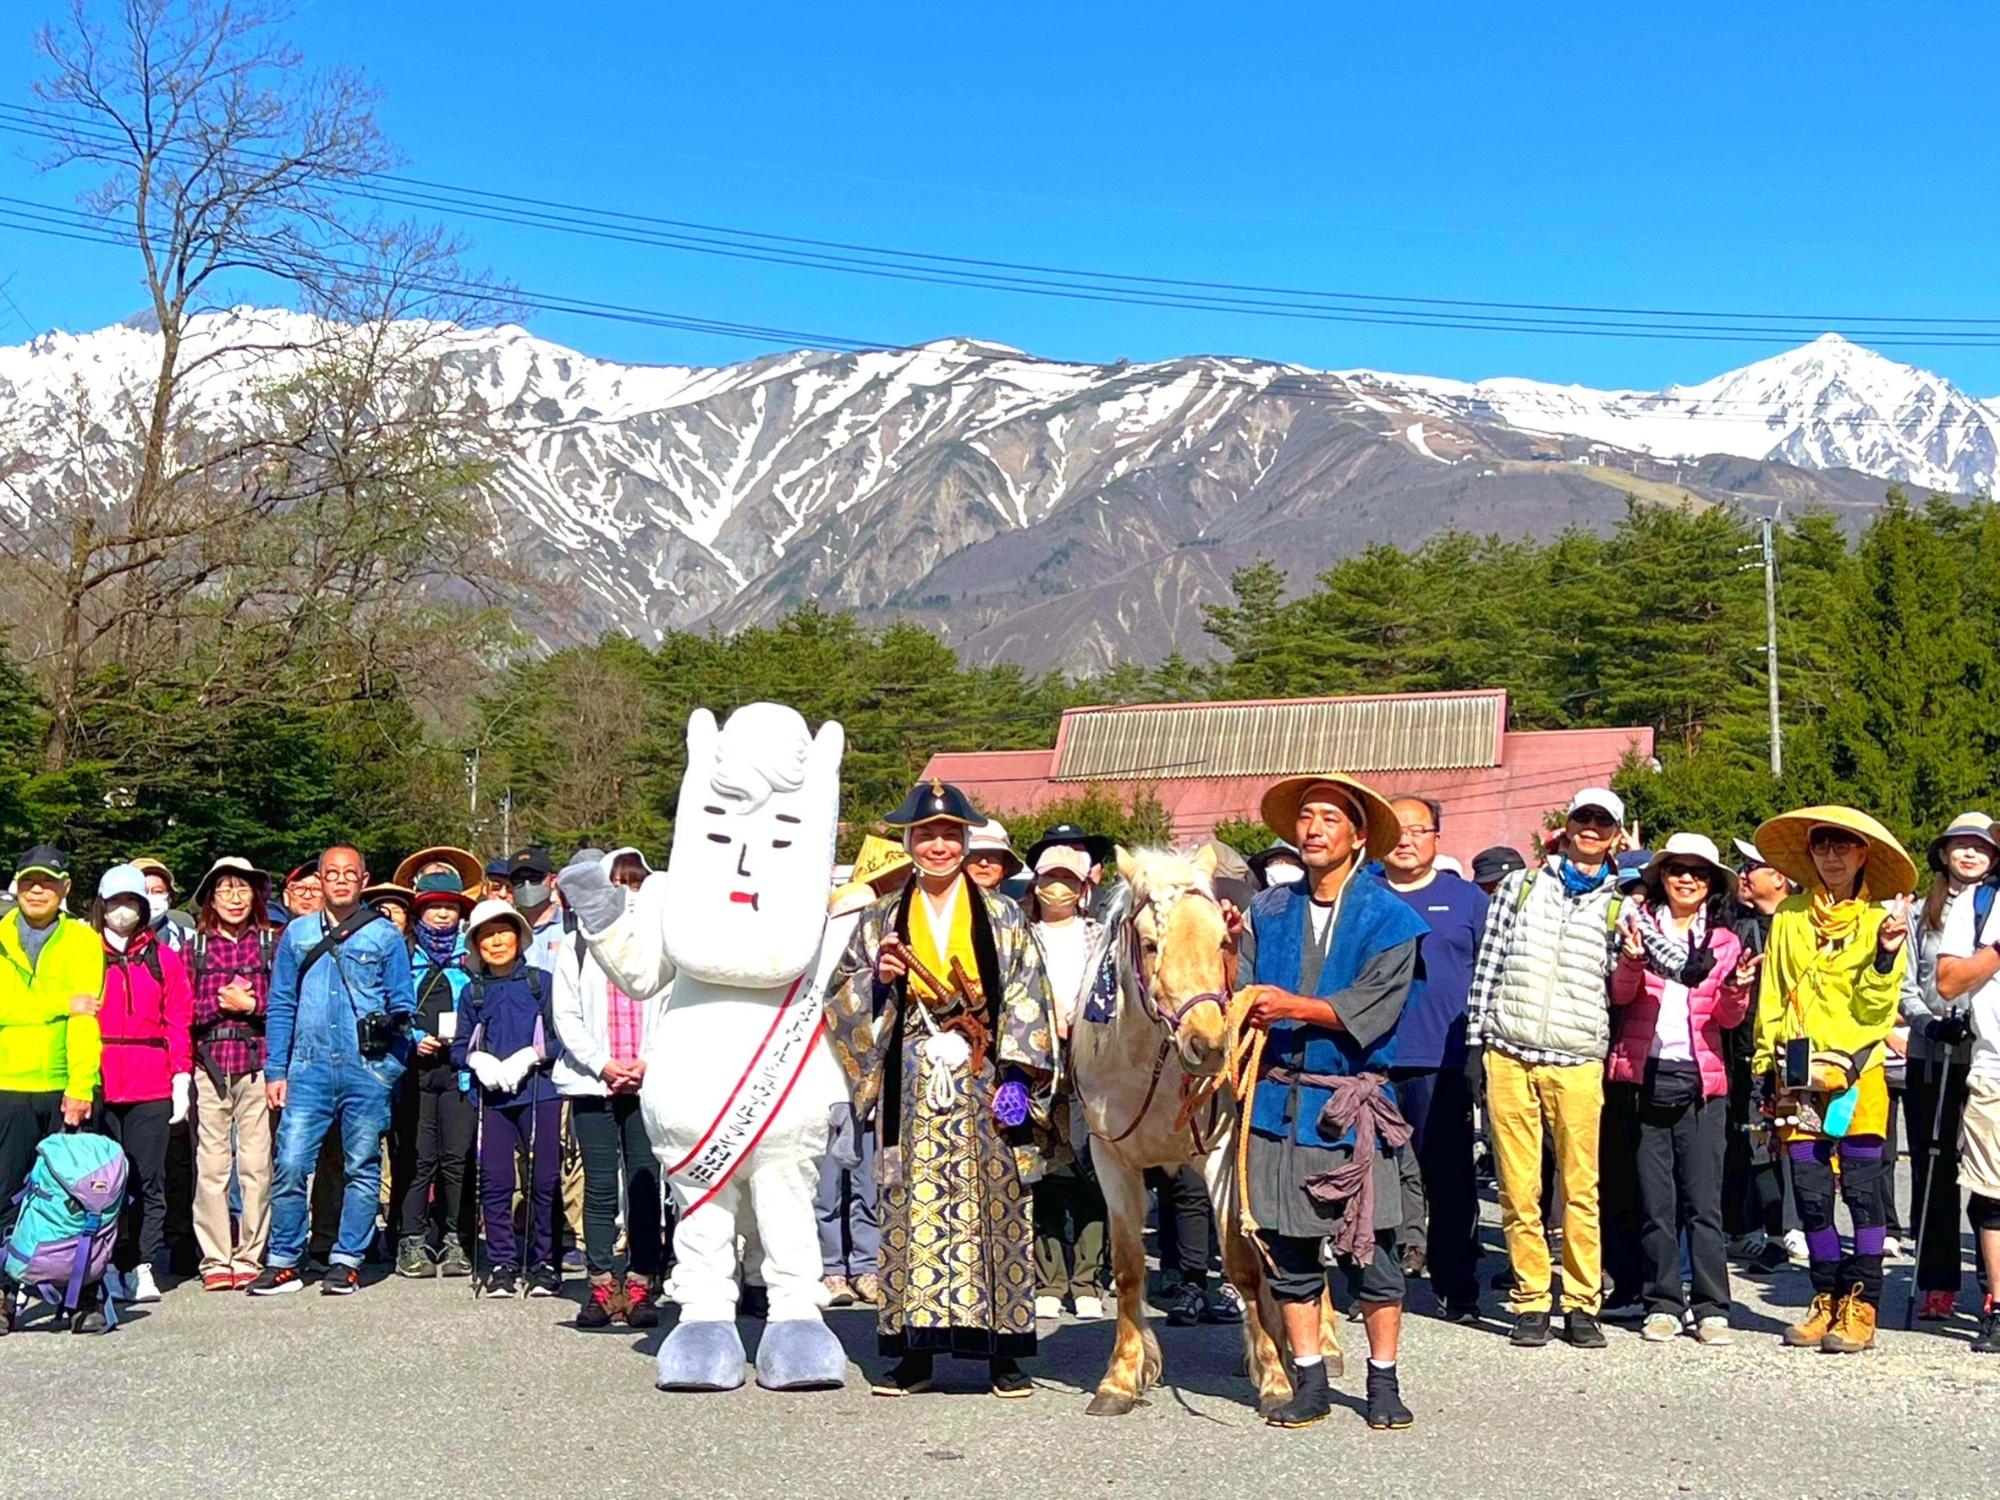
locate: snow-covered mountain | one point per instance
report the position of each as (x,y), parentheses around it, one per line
(1049,513)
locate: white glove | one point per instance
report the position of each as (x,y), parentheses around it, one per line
(488,1070)
(516,1068)
(183,1097)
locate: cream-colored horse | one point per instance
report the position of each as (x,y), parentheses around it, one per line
(1168,1035)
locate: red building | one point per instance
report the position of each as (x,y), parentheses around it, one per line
(1208,763)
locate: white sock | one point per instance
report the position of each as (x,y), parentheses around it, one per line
(1380,1364)
(1307,1361)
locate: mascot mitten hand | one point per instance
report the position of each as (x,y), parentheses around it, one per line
(589,893)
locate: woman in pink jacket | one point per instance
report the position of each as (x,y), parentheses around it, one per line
(146,1015)
(1681,980)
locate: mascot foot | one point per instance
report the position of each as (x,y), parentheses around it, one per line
(800,1354)
(701,1357)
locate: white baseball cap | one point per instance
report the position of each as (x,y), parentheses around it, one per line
(1603,797)
(1066,858)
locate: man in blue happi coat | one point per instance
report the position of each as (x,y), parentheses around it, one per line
(1337,958)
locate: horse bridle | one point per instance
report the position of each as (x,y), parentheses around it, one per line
(1169,1019)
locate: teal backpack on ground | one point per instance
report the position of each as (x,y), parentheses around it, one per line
(68,1222)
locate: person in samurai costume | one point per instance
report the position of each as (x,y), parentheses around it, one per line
(940,1016)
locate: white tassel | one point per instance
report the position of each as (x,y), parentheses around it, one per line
(945,1052)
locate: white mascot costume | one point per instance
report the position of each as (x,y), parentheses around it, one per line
(739,1083)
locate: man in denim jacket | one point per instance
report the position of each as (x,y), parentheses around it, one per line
(318,1074)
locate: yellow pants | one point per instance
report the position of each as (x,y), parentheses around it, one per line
(1569,1099)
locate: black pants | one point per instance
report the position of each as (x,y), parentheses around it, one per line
(1860,1188)
(607,1130)
(432,1198)
(141,1133)
(1438,1105)
(1301,1276)
(183,1252)
(405,1116)
(1618,1195)
(329,1187)
(24,1120)
(1680,1187)
(1187,1223)
(1939,1268)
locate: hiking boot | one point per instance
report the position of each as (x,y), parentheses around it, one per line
(839,1291)
(1386,1411)
(641,1311)
(88,1320)
(1809,1330)
(144,1287)
(1010,1381)
(1467,1311)
(1853,1327)
(341,1281)
(277,1281)
(456,1259)
(868,1289)
(1221,1304)
(1311,1400)
(599,1307)
(1185,1306)
(503,1281)
(544,1281)
(1660,1328)
(413,1257)
(1988,1341)
(1531,1330)
(1581,1329)
(1937,1307)
(907,1377)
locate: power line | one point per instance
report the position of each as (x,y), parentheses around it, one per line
(975,273)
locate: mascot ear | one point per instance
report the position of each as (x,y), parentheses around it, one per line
(701,740)
(823,761)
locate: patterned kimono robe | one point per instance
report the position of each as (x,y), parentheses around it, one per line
(957,1260)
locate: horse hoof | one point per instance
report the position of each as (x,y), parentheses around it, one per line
(1105,1404)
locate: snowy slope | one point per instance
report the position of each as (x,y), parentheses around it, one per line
(1057,514)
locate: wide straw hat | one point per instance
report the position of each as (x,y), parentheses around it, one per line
(1686,847)
(1281,804)
(879,858)
(471,874)
(1889,872)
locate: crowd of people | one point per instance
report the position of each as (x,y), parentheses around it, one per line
(1671,1062)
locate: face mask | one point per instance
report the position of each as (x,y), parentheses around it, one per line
(1284,875)
(156,905)
(122,919)
(531,893)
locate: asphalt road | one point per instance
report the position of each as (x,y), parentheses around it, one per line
(413,1388)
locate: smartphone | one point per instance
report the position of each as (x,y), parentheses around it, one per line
(1797,1070)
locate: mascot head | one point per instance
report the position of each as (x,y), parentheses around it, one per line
(753,846)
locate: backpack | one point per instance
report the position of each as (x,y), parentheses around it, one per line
(68,1222)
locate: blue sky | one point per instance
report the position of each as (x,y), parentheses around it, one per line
(1822,159)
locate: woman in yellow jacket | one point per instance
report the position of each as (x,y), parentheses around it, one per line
(51,975)
(1832,977)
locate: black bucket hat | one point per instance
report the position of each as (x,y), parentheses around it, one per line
(1096,845)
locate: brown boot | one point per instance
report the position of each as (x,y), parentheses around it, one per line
(1811,1330)
(1853,1326)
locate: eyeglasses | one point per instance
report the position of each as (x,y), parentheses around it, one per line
(1410,832)
(1828,838)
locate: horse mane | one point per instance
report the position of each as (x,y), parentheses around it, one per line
(1157,871)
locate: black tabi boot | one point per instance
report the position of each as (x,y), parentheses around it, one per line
(1311,1401)
(1385,1401)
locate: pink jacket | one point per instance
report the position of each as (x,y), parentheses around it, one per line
(145,1021)
(1715,1005)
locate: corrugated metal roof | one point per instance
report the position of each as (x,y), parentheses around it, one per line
(1417,732)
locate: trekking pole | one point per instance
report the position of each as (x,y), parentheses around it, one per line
(478,1162)
(1930,1184)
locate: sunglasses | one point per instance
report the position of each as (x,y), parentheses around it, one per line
(1698,872)
(1593,817)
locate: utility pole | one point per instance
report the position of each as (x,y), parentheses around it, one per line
(472,784)
(507,822)
(1771,646)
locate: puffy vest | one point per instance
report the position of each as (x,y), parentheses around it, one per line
(1554,993)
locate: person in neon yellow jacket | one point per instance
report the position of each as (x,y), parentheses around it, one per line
(1831,982)
(51,977)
